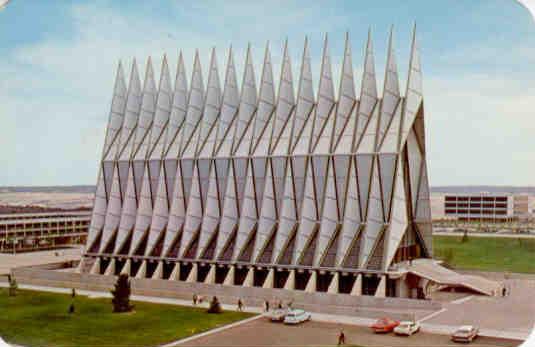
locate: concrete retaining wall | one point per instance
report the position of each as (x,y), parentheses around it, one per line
(344,304)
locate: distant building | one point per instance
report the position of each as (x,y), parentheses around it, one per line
(21,232)
(486,207)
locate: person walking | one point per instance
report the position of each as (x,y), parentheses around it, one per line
(195,299)
(290,303)
(266,305)
(341,338)
(240,305)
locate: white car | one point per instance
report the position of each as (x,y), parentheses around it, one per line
(296,317)
(465,333)
(407,328)
(278,314)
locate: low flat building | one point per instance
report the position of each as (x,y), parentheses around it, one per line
(484,207)
(22,232)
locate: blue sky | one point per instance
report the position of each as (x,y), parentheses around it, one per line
(58,61)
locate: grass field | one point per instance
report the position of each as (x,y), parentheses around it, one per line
(487,253)
(41,319)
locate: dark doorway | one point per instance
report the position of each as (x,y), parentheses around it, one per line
(301,279)
(323,282)
(168,270)
(346,282)
(260,277)
(280,278)
(369,284)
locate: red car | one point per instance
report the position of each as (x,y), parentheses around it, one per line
(384,325)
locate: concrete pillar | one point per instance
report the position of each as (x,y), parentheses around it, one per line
(95,269)
(175,274)
(333,286)
(402,289)
(80,266)
(142,272)
(126,267)
(270,279)
(290,281)
(158,273)
(210,278)
(357,286)
(192,276)
(381,288)
(311,285)
(249,279)
(110,270)
(229,279)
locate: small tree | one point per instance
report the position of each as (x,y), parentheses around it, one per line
(465,236)
(13,286)
(121,295)
(215,306)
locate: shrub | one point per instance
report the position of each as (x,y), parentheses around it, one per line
(121,295)
(215,306)
(465,236)
(13,286)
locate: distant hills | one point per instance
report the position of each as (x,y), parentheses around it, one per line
(89,189)
(488,189)
(85,189)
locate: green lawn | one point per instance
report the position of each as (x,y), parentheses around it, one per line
(486,253)
(41,319)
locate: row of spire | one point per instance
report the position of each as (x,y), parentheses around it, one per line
(144,194)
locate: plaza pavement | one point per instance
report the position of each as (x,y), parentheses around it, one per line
(10,261)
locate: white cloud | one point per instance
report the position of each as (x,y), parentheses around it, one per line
(530,6)
(56,93)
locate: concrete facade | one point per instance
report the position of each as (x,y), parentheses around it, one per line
(363,306)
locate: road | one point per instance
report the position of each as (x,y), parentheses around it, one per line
(262,332)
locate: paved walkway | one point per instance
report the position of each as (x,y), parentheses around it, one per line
(10,261)
(430,327)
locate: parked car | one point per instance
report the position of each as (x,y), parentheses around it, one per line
(407,328)
(465,333)
(296,317)
(277,315)
(384,325)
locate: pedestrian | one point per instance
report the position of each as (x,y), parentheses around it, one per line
(240,305)
(341,338)
(200,300)
(290,303)
(504,291)
(279,306)
(195,299)
(266,305)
